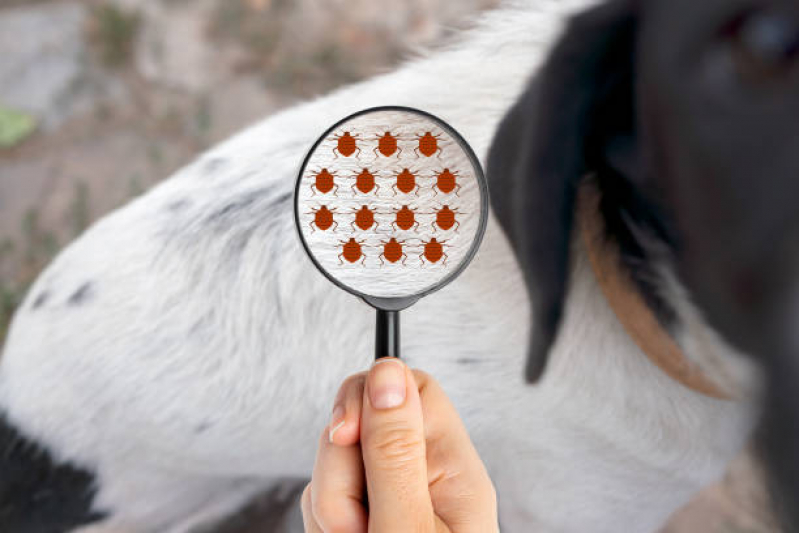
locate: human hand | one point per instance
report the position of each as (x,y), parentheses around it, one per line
(395,434)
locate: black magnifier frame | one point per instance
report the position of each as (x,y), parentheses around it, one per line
(387,334)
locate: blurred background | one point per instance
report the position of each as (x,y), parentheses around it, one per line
(101,99)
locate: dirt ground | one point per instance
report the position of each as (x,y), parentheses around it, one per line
(85,85)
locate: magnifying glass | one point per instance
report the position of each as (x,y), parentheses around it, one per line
(391,205)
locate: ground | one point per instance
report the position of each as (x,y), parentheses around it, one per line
(87,84)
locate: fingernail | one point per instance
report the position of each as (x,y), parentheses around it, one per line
(336,421)
(386,383)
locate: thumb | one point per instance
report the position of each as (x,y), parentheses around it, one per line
(393,448)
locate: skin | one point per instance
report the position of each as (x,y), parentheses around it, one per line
(395,435)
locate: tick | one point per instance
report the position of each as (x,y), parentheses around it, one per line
(387,145)
(346,144)
(364,219)
(365,182)
(428,145)
(445,219)
(406,182)
(446,182)
(433,251)
(323,219)
(324,182)
(351,251)
(392,252)
(405,218)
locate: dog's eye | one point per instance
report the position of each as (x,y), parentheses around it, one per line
(765,45)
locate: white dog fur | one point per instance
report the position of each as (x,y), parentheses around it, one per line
(188,352)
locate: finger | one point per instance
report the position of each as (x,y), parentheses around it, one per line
(461,491)
(393,448)
(308,520)
(345,422)
(337,488)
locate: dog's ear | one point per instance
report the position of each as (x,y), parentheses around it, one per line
(574,117)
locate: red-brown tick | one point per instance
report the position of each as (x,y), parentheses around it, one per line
(405,219)
(433,251)
(406,182)
(445,219)
(428,145)
(324,182)
(351,251)
(346,144)
(446,182)
(387,145)
(323,219)
(365,182)
(364,219)
(392,252)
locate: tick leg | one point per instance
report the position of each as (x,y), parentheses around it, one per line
(359,153)
(376,188)
(457,225)
(313,190)
(416,151)
(336,225)
(445,258)
(415,225)
(433,225)
(340,262)
(394,188)
(334,152)
(377,156)
(312,228)
(405,258)
(354,191)
(439,152)
(363,260)
(382,263)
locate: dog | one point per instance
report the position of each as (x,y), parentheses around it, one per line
(180,357)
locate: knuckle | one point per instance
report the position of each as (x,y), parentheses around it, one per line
(397,443)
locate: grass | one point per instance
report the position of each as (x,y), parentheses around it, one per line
(112,31)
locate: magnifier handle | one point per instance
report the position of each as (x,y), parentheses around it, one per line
(387,343)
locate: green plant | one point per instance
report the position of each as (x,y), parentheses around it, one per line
(113,32)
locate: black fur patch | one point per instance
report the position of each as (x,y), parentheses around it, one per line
(37,494)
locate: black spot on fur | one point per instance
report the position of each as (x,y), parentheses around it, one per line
(40,300)
(38,494)
(202,427)
(81,295)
